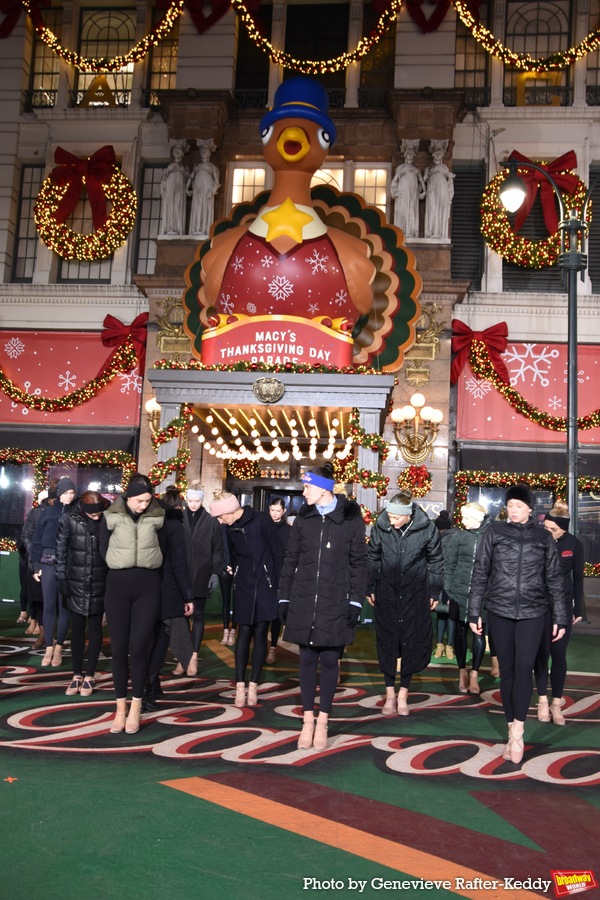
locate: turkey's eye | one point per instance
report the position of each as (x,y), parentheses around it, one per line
(324,138)
(266,134)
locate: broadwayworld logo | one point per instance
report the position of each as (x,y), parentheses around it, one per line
(566,883)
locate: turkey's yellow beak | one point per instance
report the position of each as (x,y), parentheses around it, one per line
(293,144)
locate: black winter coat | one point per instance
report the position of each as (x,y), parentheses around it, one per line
(459,549)
(46,531)
(280,534)
(571,562)
(254,594)
(204,548)
(325,569)
(517,571)
(406,570)
(80,569)
(176,584)
(28,530)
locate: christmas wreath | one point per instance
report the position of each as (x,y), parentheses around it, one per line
(416,479)
(497,230)
(62,190)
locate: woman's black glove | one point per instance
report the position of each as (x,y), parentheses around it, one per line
(354,612)
(283,611)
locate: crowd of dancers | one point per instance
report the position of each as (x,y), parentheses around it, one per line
(146,566)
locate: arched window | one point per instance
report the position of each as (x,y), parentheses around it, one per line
(106,33)
(539,29)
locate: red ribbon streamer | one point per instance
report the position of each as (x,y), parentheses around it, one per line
(116,333)
(12,9)
(97,171)
(532,180)
(494,338)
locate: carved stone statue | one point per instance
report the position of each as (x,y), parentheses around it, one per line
(440,190)
(407,188)
(202,186)
(173,184)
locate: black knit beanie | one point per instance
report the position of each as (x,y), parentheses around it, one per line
(520,492)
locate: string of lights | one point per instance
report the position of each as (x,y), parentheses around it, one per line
(104,64)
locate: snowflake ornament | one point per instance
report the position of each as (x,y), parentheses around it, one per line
(317,262)
(266,262)
(238,264)
(67,381)
(340,298)
(226,303)
(537,362)
(281,287)
(14,347)
(131,381)
(478,387)
(313,309)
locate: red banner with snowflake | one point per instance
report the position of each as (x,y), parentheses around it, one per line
(539,373)
(54,363)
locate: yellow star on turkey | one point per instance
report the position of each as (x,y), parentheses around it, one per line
(286,221)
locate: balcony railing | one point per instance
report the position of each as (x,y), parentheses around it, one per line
(546,95)
(40,98)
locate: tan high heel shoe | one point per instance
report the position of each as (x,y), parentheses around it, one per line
(543,710)
(47,658)
(192,669)
(132,724)
(57,656)
(389,706)
(305,741)
(474,682)
(240,695)
(517,745)
(555,712)
(463,681)
(506,751)
(118,724)
(252,693)
(320,735)
(403,702)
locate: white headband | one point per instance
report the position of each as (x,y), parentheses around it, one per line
(191,494)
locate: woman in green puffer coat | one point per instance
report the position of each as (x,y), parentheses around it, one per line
(459,556)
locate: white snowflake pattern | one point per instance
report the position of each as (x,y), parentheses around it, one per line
(67,381)
(555,403)
(226,303)
(313,309)
(340,298)
(251,307)
(317,262)
(14,347)
(131,381)
(37,392)
(266,262)
(478,387)
(537,362)
(238,264)
(281,287)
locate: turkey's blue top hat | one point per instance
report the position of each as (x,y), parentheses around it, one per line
(301,98)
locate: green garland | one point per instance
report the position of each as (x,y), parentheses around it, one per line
(178,464)
(373,441)
(175,428)
(244,366)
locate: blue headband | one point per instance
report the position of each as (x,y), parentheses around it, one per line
(312,478)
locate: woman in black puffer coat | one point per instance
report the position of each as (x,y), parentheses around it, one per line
(517,573)
(406,573)
(81,577)
(321,589)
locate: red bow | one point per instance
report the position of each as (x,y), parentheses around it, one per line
(97,171)
(494,338)
(12,9)
(532,180)
(116,333)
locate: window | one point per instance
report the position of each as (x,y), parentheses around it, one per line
(70,270)
(26,242)
(45,65)
(252,63)
(377,68)
(372,185)
(148,219)
(471,64)
(106,33)
(593,248)
(247,181)
(592,91)
(163,62)
(318,31)
(546,280)
(467,242)
(539,29)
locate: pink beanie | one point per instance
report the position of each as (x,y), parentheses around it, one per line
(224,505)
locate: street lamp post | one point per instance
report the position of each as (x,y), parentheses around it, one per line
(572,260)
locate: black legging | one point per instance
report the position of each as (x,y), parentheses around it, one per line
(246,633)
(198,622)
(275,631)
(445,624)
(516,642)
(226,586)
(461,642)
(329,658)
(94,629)
(557,651)
(132,604)
(390,680)
(158,654)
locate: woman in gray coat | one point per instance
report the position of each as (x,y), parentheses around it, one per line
(406,573)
